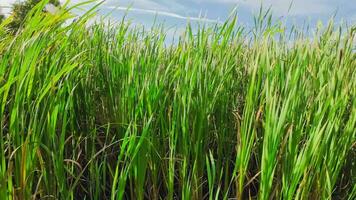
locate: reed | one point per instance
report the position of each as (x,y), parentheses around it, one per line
(111,111)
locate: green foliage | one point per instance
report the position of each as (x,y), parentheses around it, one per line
(21,9)
(113,112)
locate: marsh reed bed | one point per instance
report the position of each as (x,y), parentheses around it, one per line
(111,111)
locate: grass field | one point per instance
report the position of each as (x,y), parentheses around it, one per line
(114,112)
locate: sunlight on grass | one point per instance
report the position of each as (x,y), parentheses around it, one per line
(113,112)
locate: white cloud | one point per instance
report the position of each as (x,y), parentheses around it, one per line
(280,7)
(164,5)
(163,13)
(145,4)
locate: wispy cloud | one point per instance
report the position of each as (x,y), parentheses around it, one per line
(163,5)
(164,13)
(281,7)
(142,4)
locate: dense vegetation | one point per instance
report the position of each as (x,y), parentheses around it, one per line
(111,111)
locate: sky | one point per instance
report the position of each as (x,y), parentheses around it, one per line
(176,13)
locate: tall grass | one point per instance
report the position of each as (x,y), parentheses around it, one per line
(111,111)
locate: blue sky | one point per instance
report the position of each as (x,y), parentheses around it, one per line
(175,13)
